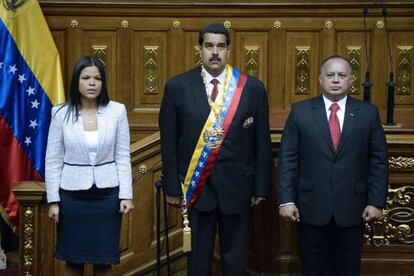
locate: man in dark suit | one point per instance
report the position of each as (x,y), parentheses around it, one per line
(241,174)
(333,173)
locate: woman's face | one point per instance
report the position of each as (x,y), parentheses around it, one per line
(90,83)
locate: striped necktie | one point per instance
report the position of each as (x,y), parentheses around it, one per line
(334,126)
(215,90)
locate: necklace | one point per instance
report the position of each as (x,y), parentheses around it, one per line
(217,105)
(89,121)
(222,86)
(87,117)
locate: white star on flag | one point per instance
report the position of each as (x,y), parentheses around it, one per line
(21,78)
(13,69)
(204,154)
(1,65)
(28,141)
(30,91)
(192,182)
(200,164)
(196,173)
(33,124)
(35,104)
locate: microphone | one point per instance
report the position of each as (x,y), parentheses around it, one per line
(390,84)
(367,85)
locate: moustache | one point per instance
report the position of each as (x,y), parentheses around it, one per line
(214,59)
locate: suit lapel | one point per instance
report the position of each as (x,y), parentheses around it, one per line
(199,93)
(78,125)
(350,120)
(319,115)
(101,128)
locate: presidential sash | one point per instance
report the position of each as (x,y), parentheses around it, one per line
(212,136)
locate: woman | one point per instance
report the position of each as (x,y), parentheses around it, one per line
(88,172)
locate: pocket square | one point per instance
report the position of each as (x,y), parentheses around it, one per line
(248,123)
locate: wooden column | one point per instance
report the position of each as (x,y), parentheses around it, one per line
(30,194)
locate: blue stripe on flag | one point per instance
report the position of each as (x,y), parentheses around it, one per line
(23,103)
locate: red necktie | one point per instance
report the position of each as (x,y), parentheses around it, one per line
(215,90)
(334,126)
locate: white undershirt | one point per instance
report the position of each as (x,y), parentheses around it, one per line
(92,143)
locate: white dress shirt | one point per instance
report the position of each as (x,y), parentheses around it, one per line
(207,81)
(340,112)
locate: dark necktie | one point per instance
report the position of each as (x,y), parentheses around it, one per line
(334,126)
(215,90)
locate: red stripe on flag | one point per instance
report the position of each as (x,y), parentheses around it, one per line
(213,154)
(14,167)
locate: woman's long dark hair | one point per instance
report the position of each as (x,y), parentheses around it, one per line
(74,101)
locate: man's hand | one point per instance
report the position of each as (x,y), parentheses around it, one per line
(257,200)
(290,212)
(371,212)
(174,200)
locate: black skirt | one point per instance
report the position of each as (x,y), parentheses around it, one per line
(89,226)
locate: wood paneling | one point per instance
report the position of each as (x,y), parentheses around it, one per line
(302,52)
(403,62)
(251,52)
(283,47)
(350,43)
(143,43)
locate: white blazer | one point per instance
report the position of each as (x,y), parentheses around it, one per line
(67,158)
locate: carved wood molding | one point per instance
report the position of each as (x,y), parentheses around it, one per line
(397,224)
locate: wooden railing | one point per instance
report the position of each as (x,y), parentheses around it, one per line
(389,248)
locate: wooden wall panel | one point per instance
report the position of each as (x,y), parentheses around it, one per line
(403,61)
(192,50)
(302,52)
(59,36)
(103,44)
(251,51)
(272,38)
(351,45)
(150,63)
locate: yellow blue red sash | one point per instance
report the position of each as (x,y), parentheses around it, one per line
(212,136)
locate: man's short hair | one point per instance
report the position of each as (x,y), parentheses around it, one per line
(335,57)
(214,28)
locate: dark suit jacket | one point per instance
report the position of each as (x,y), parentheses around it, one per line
(323,183)
(243,165)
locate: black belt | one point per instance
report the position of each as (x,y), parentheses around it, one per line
(88,165)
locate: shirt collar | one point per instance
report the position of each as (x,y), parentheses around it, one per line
(341,103)
(209,77)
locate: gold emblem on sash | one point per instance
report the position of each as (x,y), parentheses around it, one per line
(213,137)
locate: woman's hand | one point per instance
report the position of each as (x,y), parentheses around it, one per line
(54,212)
(125,206)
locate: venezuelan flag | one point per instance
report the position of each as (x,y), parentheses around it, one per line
(30,83)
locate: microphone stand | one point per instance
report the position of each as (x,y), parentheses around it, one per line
(390,100)
(158,185)
(367,85)
(390,84)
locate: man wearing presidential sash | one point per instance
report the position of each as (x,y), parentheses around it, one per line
(216,153)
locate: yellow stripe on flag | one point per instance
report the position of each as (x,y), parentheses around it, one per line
(32,36)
